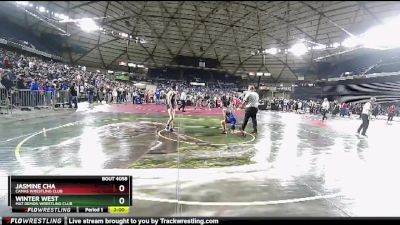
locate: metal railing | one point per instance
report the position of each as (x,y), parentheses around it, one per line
(27,100)
(4,101)
(62,99)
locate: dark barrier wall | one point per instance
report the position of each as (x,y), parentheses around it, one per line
(385,89)
(307,93)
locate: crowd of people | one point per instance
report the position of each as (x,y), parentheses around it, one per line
(23,72)
(366,111)
(19,71)
(334,107)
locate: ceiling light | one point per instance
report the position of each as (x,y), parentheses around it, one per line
(42,9)
(267,74)
(23,3)
(87,25)
(30,5)
(140,66)
(259,73)
(298,49)
(336,45)
(131,65)
(251,74)
(319,47)
(382,36)
(351,42)
(272,51)
(61,16)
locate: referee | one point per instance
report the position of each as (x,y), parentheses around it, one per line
(251,101)
(183,101)
(366,116)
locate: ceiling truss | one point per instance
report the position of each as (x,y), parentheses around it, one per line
(226,31)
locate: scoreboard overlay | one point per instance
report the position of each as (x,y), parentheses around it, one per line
(70,194)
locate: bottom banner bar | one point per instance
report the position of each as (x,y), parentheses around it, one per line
(178,220)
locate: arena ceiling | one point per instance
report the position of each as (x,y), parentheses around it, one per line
(227,31)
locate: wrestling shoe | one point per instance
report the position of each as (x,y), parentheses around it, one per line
(171,130)
(223,132)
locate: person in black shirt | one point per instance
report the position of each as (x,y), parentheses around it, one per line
(90,94)
(171,107)
(119,96)
(20,83)
(375,111)
(124,93)
(74,96)
(6,82)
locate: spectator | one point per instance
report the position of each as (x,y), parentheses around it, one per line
(74,96)
(20,83)
(158,96)
(6,82)
(391,112)
(90,94)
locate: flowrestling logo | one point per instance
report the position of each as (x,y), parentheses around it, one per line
(36,220)
(142,221)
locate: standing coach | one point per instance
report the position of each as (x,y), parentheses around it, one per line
(251,101)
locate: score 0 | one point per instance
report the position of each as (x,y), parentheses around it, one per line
(121,189)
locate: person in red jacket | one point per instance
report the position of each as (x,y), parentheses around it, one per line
(344,110)
(391,112)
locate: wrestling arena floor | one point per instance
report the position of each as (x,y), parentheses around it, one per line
(296,166)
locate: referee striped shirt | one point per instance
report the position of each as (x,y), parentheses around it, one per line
(251,98)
